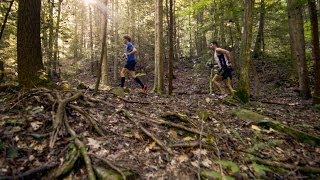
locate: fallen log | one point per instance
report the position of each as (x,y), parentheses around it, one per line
(266,122)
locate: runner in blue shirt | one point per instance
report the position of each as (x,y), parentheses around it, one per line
(130,64)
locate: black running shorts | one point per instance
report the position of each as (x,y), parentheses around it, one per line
(130,65)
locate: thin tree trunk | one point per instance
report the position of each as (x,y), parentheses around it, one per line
(50,52)
(105,64)
(116,27)
(29,58)
(6,19)
(257,52)
(56,41)
(159,74)
(298,45)
(243,91)
(1,33)
(171,46)
(102,56)
(315,49)
(91,41)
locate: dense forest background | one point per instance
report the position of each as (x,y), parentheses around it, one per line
(60,63)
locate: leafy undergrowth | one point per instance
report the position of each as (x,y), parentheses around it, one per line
(150,136)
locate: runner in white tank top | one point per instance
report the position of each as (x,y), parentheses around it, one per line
(221,57)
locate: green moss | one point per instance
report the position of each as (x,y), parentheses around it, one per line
(248,115)
(243,96)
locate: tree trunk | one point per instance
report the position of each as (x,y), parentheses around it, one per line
(1,33)
(50,52)
(159,78)
(243,91)
(315,49)
(102,56)
(29,58)
(91,41)
(295,11)
(116,28)
(56,41)
(105,64)
(257,52)
(171,41)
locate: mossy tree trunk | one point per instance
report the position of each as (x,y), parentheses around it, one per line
(295,10)
(29,57)
(315,49)
(243,91)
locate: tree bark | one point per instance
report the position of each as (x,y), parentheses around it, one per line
(171,45)
(315,49)
(102,56)
(243,91)
(159,75)
(116,28)
(56,41)
(295,11)
(91,41)
(29,58)
(50,52)
(257,52)
(105,64)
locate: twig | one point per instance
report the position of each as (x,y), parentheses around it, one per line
(162,122)
(99,101)
(91,119)
(147,133)
(133,102)
(109,164)
(185,145)
(82,149)
(30,173)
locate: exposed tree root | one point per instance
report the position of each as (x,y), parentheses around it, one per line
(57,122)
(110,165)
(32,173)
(67,166)
(82,149)
(159,142)
(88,117)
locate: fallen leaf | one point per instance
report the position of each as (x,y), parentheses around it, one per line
(188,138)
(206,163)
(94,144)
(254,127)
(183,158)
(150,146)
(195,164)
(197,152)
(36,125)
(137,136)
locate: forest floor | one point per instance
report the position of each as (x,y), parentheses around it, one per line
(151,136)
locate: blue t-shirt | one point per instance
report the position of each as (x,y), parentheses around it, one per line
(129,48)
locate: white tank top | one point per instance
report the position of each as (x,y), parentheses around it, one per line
(221,60)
